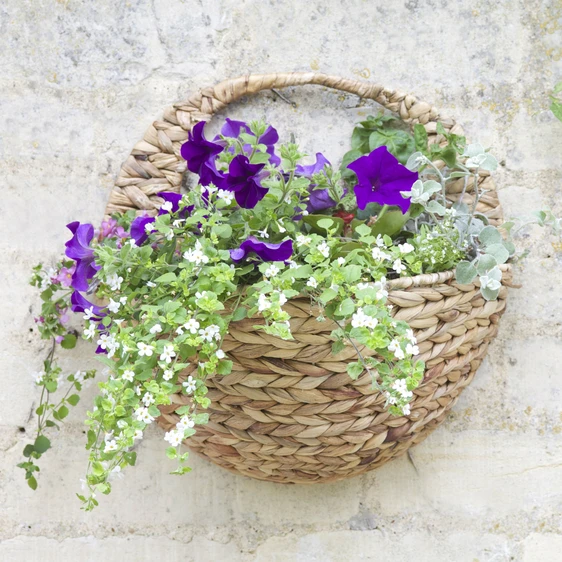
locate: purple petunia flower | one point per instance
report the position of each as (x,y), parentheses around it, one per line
(381,178)
(310,170)
(319,199)
(81,304)
(139,232)
(172,204)
(232,129)
(198,150)
(244,180)
(78,249)
(265,251)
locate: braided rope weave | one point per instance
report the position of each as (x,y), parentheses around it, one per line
(289,412)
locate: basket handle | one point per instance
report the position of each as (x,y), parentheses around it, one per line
(155,163)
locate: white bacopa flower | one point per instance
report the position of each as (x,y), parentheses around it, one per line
(412,349)
(189,385)
(123,300)
(113,306)
(341,260)
(312,283)
(38,377)
(196,256)
(132,243)
(168,374)
(150,284)
(226,196)
(148,399)
(167,206)
(114,281)
(281,228)
(156,329)
(406,409)
(282,298)
(210,332)
(405,248)
(272,271)
(324,249)
(220,354)
(380,287)
(110,446)
(394,346)
(362,320)
(391,399)
(138,390)
(177,223)
(90,331)
(167,354)
(173,437)
(263,303)
(292,264)
(149,227)
(128,375)
(185,423)
(410,335)
(379,255)
(144,349)
(263,233)
(192,326)
(138,434)
(303,240)
(169,235)
(401,387)
(142,414)
(398,266)
(79,376)
(88,313)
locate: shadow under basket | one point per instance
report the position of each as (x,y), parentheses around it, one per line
(289,412)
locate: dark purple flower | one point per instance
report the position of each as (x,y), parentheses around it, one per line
(209,174)
(81,304)
(319,200)
(381,178)
(198,150)
(244,180)
(265,251)
(232,129)
(139,232)
(78,248)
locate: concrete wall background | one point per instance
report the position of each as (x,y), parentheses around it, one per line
(80,82)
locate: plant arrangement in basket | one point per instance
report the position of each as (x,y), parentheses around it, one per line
(157,293)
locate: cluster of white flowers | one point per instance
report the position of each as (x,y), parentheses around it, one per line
(210,332)
(401,387)
(379,286)
(272,271)
(174,437)
(324,249)
(114,281)
(190,326)
(303,240)
(263,303)
(108,343)
(405,248)
(379,255)
(196,255)
(312,283)
(362,320)
(90,331)
(142,414)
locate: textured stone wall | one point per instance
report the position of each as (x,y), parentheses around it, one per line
(79,83)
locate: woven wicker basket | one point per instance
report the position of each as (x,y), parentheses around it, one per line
(289,412)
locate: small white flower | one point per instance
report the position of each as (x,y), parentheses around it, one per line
(79,376)
(128,375)
(132,243)
(123,300)
(110,446)
(281,228)
(138,434)
(142,414)
(412,349)
(113,306)
(226,196)
(379,255)
(191,326)
(220,354)
(263,303)
(38,377)
(398,266)
(210,332)
(114,281)
(168,374)
(394,346)
(144,349)
(156,329)
(88,313)
(324,249)
(312,283)
(303,240)
(185,423)
(272,271)
(189,385)
(90,331)
(282,297)
(150,284)
(148,399)
(401,387)
(167,354)
(167,206)
(138,390)
(173,437)
(292,264)
(169,235)
(410,335)
(406,409)
(263,233)
(341,260)
(405,248)
(379,241)
(149,227)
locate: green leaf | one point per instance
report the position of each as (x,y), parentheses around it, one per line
(61,413)
(28,449)
(326,224)
(352,273)
(319,225)
(327,296)
(390,223)
(449,156)
(362,229)
(420,138)
(354,370)
(346,308)
(489,235)
(41,444)
(465,272)
(435,207)
(338,346)
(399,143)
(32,483)
(73,399)
(69,341)
(224,367)
(347,159)
(239,314)
(166,278)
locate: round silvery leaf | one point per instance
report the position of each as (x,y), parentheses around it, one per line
(489,235)
(486,263)
(498,251)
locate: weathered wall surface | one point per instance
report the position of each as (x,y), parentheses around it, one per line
(80,82)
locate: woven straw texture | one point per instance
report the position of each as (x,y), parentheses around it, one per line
(289,412)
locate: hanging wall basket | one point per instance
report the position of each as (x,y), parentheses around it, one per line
(289,411)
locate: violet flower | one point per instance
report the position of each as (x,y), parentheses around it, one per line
(110,229)
(198,150)
(78,249)
(138,229)
(244,180)
(172,204)
(232,129)
(265,251)
(64,276)
(381,178)
(78,303)
(318,199)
